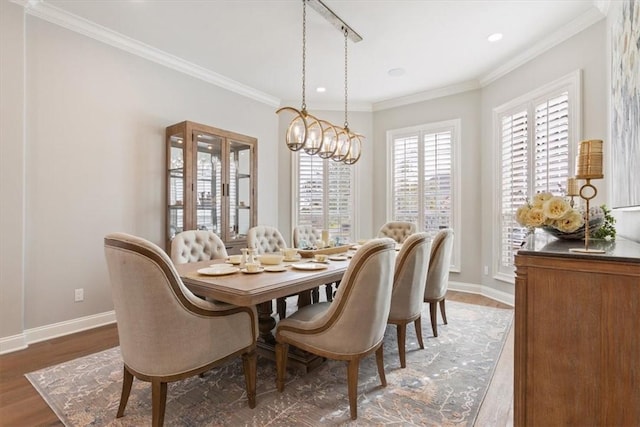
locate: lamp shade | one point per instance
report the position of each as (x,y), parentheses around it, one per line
(589,160)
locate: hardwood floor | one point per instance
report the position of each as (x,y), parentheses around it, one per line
(21,405)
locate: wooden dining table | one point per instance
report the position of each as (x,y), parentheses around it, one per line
(260,289)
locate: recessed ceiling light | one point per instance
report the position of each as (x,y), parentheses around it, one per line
(495,37)
(396,72)
(321,89)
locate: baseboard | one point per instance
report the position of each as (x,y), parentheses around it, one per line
(13,343)
(486,291)
(55,330)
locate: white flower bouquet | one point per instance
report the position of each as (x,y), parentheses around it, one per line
(550,212)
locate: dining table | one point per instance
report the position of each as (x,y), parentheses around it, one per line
(261,288)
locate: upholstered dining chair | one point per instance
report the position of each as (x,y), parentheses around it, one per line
(196,245)
(266,239)
(409,281)
(306,233)
(311,235)
(397,230)
(438,276)
(166,333)
(353,325)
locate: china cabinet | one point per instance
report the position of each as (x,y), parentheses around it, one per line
(211,182)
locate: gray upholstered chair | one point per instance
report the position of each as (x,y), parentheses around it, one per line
(409,281)
(438,276)
(265,239)
(307,234)
(312,236)
(397,230)
(166,333)
(353,325)
(196,245)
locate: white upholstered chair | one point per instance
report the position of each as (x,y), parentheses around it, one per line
(166,333)
(196,245)
(265,239)
(409,282)
(306,233)
(438,276)
(397,230)
(353,325)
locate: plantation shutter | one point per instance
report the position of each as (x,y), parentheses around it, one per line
(405,197)
(340,212)
(310,190)
(552,145)
(514,183)
(325,195)
(437,175)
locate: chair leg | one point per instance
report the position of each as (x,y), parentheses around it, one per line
(158,402)
(127,381)
(250,366)
(442,312)
(281,307)
(352,385)
(418,325)
(433,311)
(282,350)
(401,332)
(380,363)
(315,295)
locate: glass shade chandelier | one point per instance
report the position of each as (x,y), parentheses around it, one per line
(316,136)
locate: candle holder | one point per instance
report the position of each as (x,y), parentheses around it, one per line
(589,166)
(584,194)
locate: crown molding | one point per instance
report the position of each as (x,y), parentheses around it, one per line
(427,95)
(582,22)
(72,22)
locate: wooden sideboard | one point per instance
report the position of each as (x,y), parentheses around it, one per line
(577,334)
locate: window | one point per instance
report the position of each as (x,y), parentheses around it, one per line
(422,178)
(324,195)
(536,135)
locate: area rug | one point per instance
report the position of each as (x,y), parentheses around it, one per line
(442,385)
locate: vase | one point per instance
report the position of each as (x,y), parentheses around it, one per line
(596,219)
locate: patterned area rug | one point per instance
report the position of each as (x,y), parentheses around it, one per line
(443,385)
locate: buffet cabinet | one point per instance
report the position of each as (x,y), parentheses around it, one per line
(211,182)
(577,334)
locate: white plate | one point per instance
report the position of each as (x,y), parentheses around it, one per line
(259,270)
(232,262)
(275,268)
(309,266)
(294,259)
(218,271)
(338,258)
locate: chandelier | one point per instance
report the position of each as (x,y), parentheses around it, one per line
(313,135)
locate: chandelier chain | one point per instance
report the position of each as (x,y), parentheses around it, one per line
(346,122)
(304,52)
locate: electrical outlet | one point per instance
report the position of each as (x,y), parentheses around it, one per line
(486,270)
(79,295)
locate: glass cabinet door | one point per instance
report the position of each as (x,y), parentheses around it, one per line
(176,185)
(209,182)
(239,191)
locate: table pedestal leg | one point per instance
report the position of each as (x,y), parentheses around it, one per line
(266,322)
(298,359)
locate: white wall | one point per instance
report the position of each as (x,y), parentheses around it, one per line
(12,169)
(95,159)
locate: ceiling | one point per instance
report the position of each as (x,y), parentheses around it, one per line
(257,44)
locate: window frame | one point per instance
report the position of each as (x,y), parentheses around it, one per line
(295,192)
(570,83)
(455,127)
